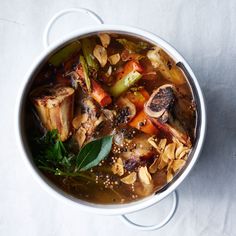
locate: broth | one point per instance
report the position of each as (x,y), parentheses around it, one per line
(122,103)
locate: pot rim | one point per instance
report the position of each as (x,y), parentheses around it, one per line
(116,209)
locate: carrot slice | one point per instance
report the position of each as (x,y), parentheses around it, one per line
(138,98)
(99,94)
(142,122)
(129,67)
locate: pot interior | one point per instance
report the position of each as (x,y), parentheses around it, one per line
(166,189)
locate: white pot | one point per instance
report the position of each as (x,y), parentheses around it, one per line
(119,209)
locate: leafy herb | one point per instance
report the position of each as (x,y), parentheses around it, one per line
(54,156)
(94,152)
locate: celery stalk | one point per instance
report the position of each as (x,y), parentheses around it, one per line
(87,48)
(85,70)
(125,83)
(64,53)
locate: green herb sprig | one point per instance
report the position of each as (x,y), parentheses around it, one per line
(54,156)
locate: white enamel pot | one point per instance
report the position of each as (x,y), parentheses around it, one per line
(120,209)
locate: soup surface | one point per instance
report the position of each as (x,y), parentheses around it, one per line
(110,118)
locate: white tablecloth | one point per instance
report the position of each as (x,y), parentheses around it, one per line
(204,32)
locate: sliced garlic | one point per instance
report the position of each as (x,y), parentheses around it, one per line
(99,120)
(169,176)
(162,145)
(118,167)
(184,152)
(154,166)
(101,54)
(169,152)
(144,175)
(162,164)
(109,71)
(81,136)
(129,179)
(79,119)
(105,39)
(152,142)
(178,164)
(114,59)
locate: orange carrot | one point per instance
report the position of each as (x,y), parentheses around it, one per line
(99,94)
(129,67)
(138,98)
(142,122)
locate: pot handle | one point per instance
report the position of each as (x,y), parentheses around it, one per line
(134,225)
(65,12)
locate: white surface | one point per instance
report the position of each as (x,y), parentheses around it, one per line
(204,32)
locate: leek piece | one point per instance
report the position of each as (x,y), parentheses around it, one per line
(125,83)
(85,70)
(87,48)
(64,53)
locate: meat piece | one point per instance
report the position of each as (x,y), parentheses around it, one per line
(161,103)
(91,122)
(161,109)
(55,106)
(126,111)
(176,131)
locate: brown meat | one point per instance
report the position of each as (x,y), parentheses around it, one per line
(54,106)
(160,108)
(161,102)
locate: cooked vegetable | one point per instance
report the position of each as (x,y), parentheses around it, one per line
(114,59)
(142,122)
(85,73)
(105,39)
(101,54)
(129,179)
(87,48)
(125,83)
(54,106)
(138,97)
(118,167)
(131,46)
(64,53)
(100,95)
(129,67)
(144,175)
(161,61)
